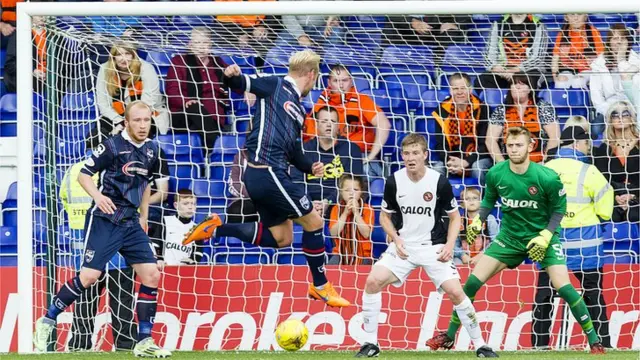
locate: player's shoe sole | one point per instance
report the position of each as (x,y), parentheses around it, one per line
(329,295)
(203,230)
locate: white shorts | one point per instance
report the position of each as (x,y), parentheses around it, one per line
(425,256)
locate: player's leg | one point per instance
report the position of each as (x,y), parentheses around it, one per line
(542,312)
(138,252)
(560,279)
(390,269)
(103,241)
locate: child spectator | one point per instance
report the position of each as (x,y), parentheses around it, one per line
(615,74)
(195,89)
(576,46)
(461,129)
(169,248)
(122,79)
(470,254)
(338,154)
(618,159)
(351,224)
(517,44)
(241,209)
(361,120)
(521,109)
(39,58)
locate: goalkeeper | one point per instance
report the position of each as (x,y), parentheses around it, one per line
(533,205)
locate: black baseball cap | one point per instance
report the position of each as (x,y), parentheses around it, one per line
(573,133)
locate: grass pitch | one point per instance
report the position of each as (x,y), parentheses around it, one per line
(330,355)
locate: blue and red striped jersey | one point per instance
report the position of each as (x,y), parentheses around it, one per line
(125,169)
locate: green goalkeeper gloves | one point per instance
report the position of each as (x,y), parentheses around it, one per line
(537,247)
(474,229)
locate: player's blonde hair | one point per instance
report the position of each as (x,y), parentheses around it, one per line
(517,131)
(302,62)
(414,138)
(136,104)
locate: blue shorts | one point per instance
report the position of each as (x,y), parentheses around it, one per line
(275,196)
(104,239)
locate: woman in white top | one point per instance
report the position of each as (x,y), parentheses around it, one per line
(615,75)
(122,79)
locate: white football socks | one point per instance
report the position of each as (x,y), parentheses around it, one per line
(371,305)
(467,314)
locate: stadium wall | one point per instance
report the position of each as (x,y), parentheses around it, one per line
(238,308)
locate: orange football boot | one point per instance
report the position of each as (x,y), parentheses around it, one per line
(329,295)
(203,230)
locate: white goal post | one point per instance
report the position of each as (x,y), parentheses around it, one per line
(25,80)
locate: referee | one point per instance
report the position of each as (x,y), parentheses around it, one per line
(589,200)
(118,279)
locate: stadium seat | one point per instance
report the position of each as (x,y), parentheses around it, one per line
(9,107)
(238,105)
(210,192)
(494,97)
(567,102)
(463,58)
(3,58)
(458,184)
(376,189)
(277,59)
(226,148)
(289,257)
(621,242)
(379,238)
(78,107)
(161,60)
(348,55)
(363,22)
(244,257)
(186,23)
(182,148)
(551,20)
(8,246)
(370,38)
(247,62)
(479,36)
(402,58)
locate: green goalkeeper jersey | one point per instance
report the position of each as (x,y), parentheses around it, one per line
(528,200)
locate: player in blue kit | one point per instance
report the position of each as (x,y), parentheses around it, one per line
(127,163)
(273,145)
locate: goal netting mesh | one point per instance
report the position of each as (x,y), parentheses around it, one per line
(396,79)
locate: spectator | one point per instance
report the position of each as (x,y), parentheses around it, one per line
(169,248)
(241,208)
(438,31)
(576,120)
(122,79)
(576,46)
(311,30)
(517,44)
(338,154)
(470,254)
(615,74)
(117,279)
(39,57)
(521,109)
(361,120)
(589,201)
(257,32)
(461,129)
(195,89)
(8,22)
(618,158)
(351,224)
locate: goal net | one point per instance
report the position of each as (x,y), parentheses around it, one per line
(457,79)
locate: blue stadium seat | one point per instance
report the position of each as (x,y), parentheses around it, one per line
(463,58)
(241,125)
(376,189)
(161,60)
(74,130)
(226,147)
(189,22)
(621,242)
(390,101)
(78,107)
(349,55)
(567,102)
(458,184)
(9,107)
(494,97)
(8,246)
(407,58)
(484,20)
(3,58)
(239,106)
(182,148)
(247,62)
(370,38)
(289,257)
(379,238)
(277,59)
(244,257)
(479,36)
(11,200)
(364,22)
(210,192)
(551,20)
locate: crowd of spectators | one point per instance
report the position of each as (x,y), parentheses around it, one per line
(347,129)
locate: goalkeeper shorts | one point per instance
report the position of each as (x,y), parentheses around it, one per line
(513,253)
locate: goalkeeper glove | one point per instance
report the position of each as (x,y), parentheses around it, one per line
(474,229)
(537,247)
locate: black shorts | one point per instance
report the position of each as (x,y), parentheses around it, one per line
(275,196)
(103,239)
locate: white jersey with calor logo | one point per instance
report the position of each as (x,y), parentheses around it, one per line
(419,208)
(174,230)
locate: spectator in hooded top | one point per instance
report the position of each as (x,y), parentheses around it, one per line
(360,119)
(125,78)
(39,57)
(339,156)
(194,87)
(461,129)
(521,109)
(438,31)
(615,74)
(618,158)
(311,30)
(576,46)
(518,44)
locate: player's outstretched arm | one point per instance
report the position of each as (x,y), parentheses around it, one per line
(262,87)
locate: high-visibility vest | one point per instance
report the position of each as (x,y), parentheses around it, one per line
(589,199)
(75,200)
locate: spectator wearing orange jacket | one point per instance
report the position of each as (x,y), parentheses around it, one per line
(361,120)
(351,224)
(576,47)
